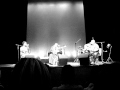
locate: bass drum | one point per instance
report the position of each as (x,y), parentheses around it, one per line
(53,59)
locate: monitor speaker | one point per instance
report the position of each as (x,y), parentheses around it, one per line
(63,62)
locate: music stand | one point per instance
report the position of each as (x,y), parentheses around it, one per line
(109,58)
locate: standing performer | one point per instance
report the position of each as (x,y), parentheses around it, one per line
(24,49)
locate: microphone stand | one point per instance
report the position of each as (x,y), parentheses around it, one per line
(18,49)
(76,50)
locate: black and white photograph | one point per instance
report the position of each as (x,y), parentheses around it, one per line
(60,45)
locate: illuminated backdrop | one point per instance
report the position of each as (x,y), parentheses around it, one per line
(49,23)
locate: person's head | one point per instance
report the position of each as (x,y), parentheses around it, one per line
(68,74)
(92,41)
(56,44)
(30,73)
(25,43)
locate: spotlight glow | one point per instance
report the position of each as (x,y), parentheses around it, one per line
(51,4)
(68,54)
(63,6)
(50,23)
(74,54)
(41,54)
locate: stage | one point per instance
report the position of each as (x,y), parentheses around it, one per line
(64,61)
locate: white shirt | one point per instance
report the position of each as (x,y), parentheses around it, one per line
(24,50)
(91,47)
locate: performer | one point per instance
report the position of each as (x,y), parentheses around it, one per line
(93,49)
(53,54)
(55,50)
(24,49)
(94,46)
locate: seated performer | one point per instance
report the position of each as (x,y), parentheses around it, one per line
(93,49)
(53,56)
(56,49)
(94,46)
(24,49)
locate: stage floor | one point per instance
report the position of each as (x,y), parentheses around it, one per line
(61,63)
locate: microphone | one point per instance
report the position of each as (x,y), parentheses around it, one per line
(18,45)
(78,41)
